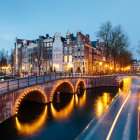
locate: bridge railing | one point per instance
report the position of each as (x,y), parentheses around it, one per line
(17,83)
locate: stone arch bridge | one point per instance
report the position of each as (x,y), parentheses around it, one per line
(44,91)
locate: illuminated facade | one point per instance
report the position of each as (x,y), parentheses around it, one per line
(68,52)
(57,53)
(73,54)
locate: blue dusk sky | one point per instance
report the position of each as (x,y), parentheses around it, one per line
(27,19)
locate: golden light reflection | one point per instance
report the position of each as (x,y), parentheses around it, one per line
(102,104)
(81,100)
(63,113)
(66,111)
(80,80)
(29,129)
(126,87)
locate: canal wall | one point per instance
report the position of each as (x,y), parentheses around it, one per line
(10,101)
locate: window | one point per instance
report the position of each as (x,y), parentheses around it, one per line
(70,58)
(65,50)
(78,41)
(75,54)
(68,41)
(65,58)
(78,47)
(48,44)
(70,49)
(82,53)
(82,47)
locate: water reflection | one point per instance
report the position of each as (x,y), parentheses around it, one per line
(80,100)
(65,112)
(74,111)
(33,127)
(102,104)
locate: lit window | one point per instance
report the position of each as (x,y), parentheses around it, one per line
(70,58)
(48,44)
(65,58)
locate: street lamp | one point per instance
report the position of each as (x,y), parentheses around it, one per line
(106,66)
(100,63)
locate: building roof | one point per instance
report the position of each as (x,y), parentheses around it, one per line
(87,41)
(62,39)
(20,41)
(93,43)
(73,38)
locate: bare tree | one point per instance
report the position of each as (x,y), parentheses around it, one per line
(118,41)
(138,49)
(12,62)
(38,54)
(104,34)
(114,40)
(125,58)
(3,58)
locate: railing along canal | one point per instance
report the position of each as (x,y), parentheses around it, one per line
(17,83)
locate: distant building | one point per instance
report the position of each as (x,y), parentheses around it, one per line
(21,51)
(135,65)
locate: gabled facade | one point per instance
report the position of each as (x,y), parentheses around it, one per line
(57,53)
(68,55)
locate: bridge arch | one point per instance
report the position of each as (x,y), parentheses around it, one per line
(31,128)
(36,95)
(64,86)
(80,84)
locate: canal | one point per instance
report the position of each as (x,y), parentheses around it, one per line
(64,120)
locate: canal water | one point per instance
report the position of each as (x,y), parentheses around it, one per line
(65,120)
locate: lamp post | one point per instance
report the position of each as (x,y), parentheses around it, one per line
(100,63)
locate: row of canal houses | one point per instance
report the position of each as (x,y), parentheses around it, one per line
(75,54)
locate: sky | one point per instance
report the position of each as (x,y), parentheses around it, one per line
(27,19)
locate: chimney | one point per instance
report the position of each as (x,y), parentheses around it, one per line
(79,31)
(47,35)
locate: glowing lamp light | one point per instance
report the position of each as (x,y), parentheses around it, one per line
(100,63)
(18,102)
(106,66)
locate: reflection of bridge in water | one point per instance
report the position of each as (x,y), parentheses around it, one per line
(36,125)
